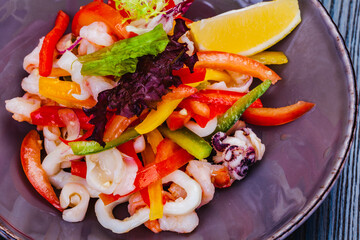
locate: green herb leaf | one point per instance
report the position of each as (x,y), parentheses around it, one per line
(141,9)
(122,56)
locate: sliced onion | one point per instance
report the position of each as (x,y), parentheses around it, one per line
(72,46)
(202,132)
(71,122)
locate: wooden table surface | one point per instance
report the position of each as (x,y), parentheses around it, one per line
(339,215)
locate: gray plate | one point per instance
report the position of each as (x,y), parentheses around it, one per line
(302,159)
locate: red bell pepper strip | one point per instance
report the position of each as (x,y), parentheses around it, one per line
(46,55)
(128,149)
(221,97)
(154,172)
(187,21)
(215,110)
(218,101)
(196,107)
(182,91)
(159,170)
(49,116)
(165,149)
(78,168)
(31,163)
(177,120)
(276,116)
(116,126)
(100,12)
(236,63)
(187,77)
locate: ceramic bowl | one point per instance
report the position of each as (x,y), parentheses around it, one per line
(302,159)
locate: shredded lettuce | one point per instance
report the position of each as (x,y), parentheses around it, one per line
(122,56)
(141,9)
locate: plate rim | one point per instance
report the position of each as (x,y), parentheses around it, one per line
(342,157)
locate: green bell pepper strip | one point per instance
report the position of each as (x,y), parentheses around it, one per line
(189,141)
(90,147)
(233,114)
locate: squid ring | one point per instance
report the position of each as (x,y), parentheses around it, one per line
(107,220)
(76,195)
(193,191)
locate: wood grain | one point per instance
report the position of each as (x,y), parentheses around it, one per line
(338,217)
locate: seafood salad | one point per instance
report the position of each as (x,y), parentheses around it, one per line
(134,107)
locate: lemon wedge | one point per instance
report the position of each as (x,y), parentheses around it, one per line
(248,30)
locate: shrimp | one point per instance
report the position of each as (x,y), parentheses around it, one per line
(201,172)
(30,84)
(177,191)
(208,176)
(85,47)
(97,33)
(65,42)
(22,107)
(31,60)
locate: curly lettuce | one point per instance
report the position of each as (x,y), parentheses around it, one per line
(141,9)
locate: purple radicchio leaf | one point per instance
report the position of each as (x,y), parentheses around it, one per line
(179,9)
(145,87)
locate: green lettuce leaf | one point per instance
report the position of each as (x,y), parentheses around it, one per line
(122,56)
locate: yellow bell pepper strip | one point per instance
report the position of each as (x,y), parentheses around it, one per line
(59,72)
(217,75)
(61,92)
(270,58)
(236,63)
(154,189)
(90,147)
(31,163)
(154,138)
(158,116)
(189,141)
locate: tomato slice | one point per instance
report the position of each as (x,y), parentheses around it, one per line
(99,11)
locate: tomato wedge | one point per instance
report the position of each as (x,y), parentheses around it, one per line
(99,11)
(276,116)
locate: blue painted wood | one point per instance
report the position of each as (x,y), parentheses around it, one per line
(338,217)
